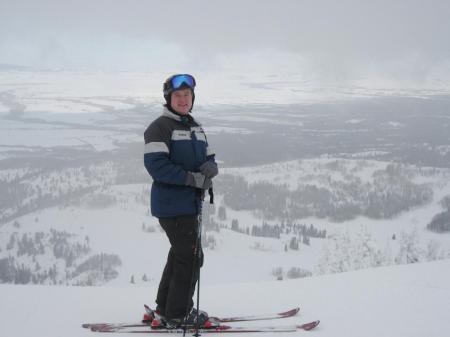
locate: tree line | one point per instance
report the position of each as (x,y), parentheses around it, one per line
(389,192)
(54,257)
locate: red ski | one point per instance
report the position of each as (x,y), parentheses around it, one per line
(213,320)
(216,329)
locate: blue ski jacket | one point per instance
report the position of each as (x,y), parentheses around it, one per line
(174,145)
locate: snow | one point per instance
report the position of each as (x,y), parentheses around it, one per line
(94,91)
(118,228)
(354,121)
(89,98)
(395,125)
(16,134)
(225,129)
(409,300)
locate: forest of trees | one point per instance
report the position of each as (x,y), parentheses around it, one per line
(54,257)
(97,269)
(390,192)
(441,221)
(276,230)
(54,186)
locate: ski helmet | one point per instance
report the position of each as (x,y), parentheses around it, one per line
(177,82)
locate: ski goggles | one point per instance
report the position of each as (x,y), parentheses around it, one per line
(177,81)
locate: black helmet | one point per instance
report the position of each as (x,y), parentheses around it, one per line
(177,82)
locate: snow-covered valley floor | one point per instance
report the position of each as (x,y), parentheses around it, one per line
(409,300)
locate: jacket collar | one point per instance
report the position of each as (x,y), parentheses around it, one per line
(170,114)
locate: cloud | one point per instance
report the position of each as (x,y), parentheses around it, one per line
(336,38)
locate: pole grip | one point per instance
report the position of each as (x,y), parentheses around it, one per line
(211,195)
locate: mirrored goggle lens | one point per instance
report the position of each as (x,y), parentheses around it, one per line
(177,81)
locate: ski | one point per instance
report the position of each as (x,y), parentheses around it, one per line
(216,329)
(213,320)
(260,317)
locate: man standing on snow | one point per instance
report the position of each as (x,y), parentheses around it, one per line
(181,163)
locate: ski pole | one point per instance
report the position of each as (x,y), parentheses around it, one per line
(197,256)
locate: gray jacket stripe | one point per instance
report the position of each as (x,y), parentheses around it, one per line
(153,147)
(209,151)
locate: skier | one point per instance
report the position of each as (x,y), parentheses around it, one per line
(182,166)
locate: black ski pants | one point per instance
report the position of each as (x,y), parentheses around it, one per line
(180,275)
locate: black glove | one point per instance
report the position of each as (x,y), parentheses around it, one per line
(198,180)
(209,169)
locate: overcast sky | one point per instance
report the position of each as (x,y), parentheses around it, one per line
(407,37)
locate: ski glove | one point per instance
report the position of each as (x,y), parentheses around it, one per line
(198,180)
(209,169)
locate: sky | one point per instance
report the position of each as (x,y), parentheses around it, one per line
(399,38)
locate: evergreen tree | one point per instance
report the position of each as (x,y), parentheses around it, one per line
(222,213)
(293,244)
(305,240)
(235,225)
(410,251)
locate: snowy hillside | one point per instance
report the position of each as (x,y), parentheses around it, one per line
(411,300)
(84,226)
(332,183)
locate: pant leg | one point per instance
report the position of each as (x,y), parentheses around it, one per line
(179,282)
(163,289)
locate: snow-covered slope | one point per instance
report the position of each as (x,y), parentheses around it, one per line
(114,219)
(410,300)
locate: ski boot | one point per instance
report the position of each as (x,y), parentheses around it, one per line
(159,320)
(191,321)
(149,315)
(152,317)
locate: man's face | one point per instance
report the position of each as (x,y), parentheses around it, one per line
(181,101)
